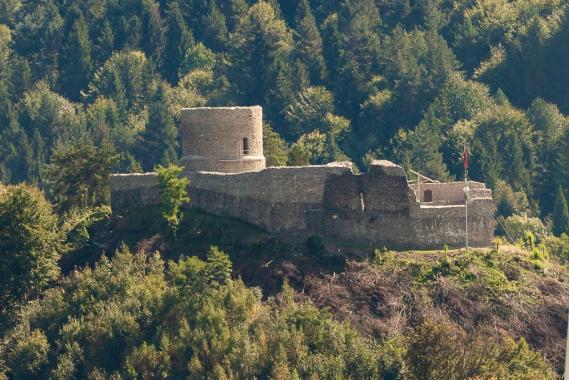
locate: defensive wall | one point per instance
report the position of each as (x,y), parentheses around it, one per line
(331,201)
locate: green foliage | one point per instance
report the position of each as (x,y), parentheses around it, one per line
(30,243)
(76,63)
(160,136)
(442,352)
(275,148)
(558,247)
(560,214)
(125,78)
(128,317)
(517,226)
(406,81)
(79,174)
(173,194)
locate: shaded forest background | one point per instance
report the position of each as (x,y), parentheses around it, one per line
(102,81)
(92,87)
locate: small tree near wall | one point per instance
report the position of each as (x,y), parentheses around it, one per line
(173,194)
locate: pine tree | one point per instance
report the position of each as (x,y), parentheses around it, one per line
(30,242)
(218,268)
(75,60)
(261,61)
(152,33)
(560,214)
(105,42)
(561,164)
(233,10)
(519,173)
(178,40)
(359,50)
(425,152)
(214,28)
(309,42)
(159,143)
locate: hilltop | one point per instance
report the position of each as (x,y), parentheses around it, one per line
(509,293)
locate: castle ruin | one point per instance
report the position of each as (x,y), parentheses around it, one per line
(223,159)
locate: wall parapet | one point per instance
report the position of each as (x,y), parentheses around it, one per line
(329,200)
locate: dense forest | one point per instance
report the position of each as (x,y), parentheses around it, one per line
(410,81)
(93,87)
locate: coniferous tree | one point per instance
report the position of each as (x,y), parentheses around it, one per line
(218,266)
(105,42)
(359,50)
(425,152)
(233,10)
(30,242)
(79,174)
(75,60)
(561,163)
(179,38)
(152,33)
(309,42)
(159,143)
(214,28)
(519,172)
(560,214)
(261,55)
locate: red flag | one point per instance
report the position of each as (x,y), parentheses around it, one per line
(465,158)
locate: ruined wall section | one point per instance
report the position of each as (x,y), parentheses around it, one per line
(450,192)
(377,207)
(222,139)
(283,199)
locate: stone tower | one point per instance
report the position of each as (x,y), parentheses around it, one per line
(222,139)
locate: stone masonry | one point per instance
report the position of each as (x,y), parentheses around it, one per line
(380,207)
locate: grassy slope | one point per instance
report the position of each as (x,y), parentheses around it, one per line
(511,292)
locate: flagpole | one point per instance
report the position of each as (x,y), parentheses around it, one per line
(466,189)
(566,375)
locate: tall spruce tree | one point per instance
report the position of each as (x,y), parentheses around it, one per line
(152,32)
(309,42)
(105,42)
(214,28)
(233,10)
(425,152)
(560,214)
(179,38)
(260,55)
(159,143)
(75,60)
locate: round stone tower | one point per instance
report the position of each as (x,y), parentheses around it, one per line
(222,139)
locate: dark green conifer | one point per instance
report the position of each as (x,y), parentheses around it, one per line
(560,214)
(75,61)
(214,28)
(152,33)
(159,143)
(178,40)
(309,42)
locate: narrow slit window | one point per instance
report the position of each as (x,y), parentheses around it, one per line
(245,146)
(428,196)
(362,202)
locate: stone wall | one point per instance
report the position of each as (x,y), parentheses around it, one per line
(450,192)
(213,139)
(328,200)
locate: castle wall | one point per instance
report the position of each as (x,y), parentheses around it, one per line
(450,192)
(213,139)
(329,200)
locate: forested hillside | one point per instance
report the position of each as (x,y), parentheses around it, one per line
(92,87)
(410,81)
